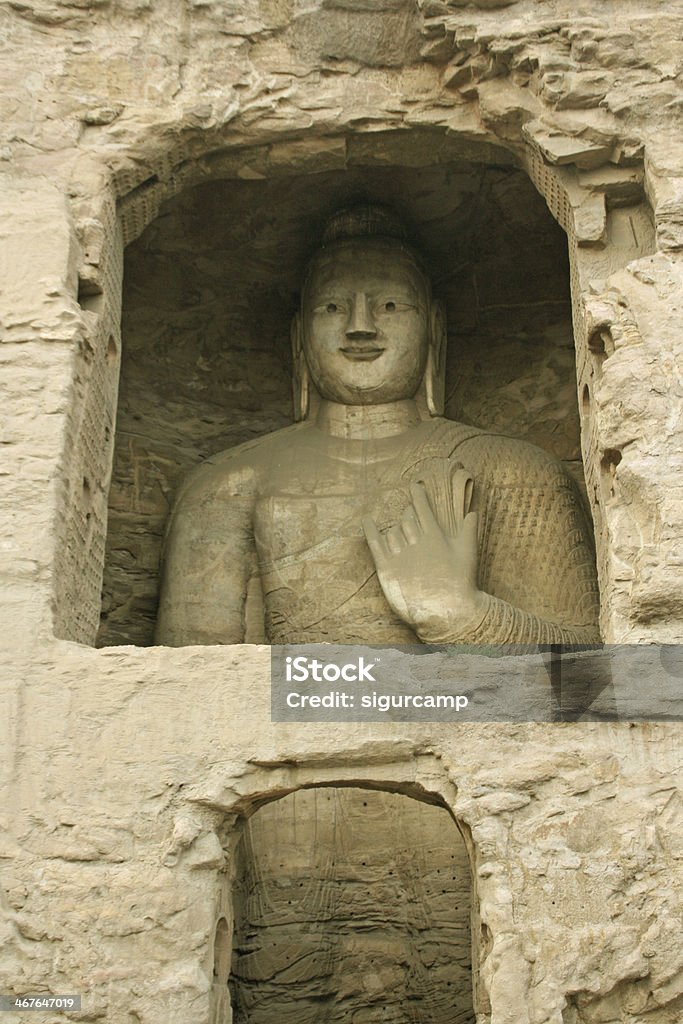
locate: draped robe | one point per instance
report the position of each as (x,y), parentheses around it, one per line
(286,510)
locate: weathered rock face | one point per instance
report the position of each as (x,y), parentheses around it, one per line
(209,92)
(127,771)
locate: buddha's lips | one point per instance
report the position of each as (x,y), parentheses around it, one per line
(364,352)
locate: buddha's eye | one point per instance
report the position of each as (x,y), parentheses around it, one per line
(390,306)
(332,307)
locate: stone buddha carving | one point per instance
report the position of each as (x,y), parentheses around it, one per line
(374,519)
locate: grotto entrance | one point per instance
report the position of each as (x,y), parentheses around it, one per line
(350,905)
(210,287)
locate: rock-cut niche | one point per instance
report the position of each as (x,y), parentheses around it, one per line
(360,911)
(210,288)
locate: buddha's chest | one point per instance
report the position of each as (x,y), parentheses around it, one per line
(318,577)
(327,528)
(313,498)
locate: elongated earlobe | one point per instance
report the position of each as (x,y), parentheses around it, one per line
(301,381)
(435,371)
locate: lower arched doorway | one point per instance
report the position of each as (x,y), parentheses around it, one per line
(351,906)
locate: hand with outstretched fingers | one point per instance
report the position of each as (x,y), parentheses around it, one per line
(428,572)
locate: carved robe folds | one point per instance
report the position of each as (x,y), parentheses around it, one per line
(288,509)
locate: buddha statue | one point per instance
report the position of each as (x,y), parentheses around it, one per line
(373,519)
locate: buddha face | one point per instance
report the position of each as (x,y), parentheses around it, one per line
(366,323)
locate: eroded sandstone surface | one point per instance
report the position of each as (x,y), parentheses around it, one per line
(128,772)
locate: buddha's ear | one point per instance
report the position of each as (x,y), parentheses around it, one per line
(435,371)
(301,381)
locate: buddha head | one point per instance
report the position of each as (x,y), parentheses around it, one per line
(369,331)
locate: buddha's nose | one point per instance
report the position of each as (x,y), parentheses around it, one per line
(361,324)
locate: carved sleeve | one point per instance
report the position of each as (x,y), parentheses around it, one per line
(504,624)
(537,564)
(208,561)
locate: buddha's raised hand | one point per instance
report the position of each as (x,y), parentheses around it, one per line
(428,572)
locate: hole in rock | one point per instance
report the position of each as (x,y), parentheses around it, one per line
(608,466)
(112,350)
(601,345)
(90,295)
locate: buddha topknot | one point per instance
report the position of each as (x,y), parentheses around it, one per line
(363,220)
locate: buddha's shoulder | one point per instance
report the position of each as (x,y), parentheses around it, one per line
(238,471)
(505,459)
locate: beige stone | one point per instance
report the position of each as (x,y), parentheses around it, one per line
(576,893)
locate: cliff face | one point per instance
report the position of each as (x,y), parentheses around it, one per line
(109,110)
(129,772)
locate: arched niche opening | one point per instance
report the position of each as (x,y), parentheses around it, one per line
(210,287)
(350,905)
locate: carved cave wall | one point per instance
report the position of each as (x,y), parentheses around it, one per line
(572,100)
(113,850)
